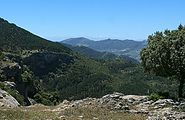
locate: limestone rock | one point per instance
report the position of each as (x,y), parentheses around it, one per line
(7,100)
(162,109)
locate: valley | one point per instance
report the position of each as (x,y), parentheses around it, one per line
(41,79)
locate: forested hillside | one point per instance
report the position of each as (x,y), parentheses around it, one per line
(35,69)
(14,38)
(91,53)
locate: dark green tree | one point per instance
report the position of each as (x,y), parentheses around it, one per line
(165,55)
(1,55)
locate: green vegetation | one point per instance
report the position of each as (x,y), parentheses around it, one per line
(1,55)
(91,53)
(16,39)
(157,96)
(48,72)
(165,55)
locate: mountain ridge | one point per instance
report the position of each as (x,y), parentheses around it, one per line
(94,54)
(127,47)
(12,35)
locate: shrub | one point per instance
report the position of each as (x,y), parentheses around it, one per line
(1,55)
(155,96)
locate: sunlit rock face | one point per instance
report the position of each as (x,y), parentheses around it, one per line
(6,100)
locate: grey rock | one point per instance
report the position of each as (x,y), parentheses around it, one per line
(7,100)
(163,109)
(164,102)
(11,84)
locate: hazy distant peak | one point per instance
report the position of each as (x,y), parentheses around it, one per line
(78,39)
(127,47)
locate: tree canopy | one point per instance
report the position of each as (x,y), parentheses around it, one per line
(165,55)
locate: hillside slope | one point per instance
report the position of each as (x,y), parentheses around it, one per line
(91,53)
(14,38)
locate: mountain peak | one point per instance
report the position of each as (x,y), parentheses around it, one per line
(78,39)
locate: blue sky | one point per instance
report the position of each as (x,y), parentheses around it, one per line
(95,19)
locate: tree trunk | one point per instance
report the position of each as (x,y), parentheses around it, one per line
(181,85)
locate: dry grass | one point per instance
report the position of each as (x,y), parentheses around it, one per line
(97,113)
(40,112)
(27,114)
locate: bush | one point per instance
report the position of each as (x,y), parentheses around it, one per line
(1,55)
(2,78)
(46,98)
(156,96)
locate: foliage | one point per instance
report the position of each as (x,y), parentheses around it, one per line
(165,55)
(85,78)
(1,55)
(117,65)
(158,95)
(2,77)
(27,75)
(46,98)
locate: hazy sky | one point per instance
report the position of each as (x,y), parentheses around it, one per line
(95,19)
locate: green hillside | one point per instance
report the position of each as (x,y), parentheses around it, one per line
(48,72)
(14,38)
(91,53)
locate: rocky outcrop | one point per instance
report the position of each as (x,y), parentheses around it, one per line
(119,101)
(163,109)
(6,100)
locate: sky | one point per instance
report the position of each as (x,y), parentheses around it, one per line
(95,19)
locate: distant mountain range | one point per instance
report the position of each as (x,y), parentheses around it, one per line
(126,47)
(91,53)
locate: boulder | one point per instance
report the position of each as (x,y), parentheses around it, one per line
(10,84)
(6,100)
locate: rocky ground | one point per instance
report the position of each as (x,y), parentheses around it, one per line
(162,109)
(119,104)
